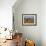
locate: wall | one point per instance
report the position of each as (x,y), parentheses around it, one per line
(43,22)
(28,7)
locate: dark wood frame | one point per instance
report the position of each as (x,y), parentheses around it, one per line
(30,15)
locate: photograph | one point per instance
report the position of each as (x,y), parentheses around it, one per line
(29,19)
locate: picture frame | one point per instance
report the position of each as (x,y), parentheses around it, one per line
(29,19)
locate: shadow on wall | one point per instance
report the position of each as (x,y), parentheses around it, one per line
(28,7)
(17,4)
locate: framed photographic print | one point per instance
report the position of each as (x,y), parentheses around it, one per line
(29,19)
